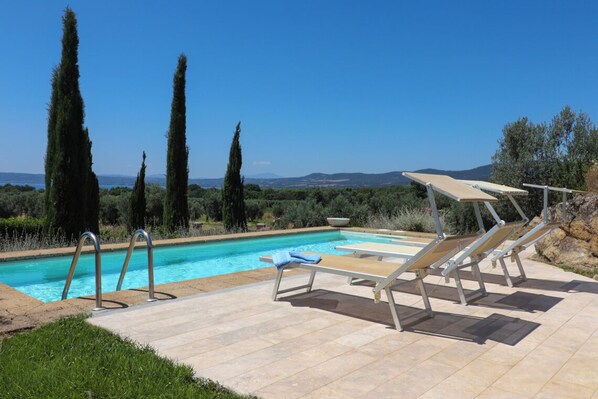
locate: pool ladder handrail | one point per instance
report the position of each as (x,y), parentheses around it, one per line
(150,262)
(98,267)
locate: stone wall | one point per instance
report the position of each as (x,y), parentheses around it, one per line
(575,243)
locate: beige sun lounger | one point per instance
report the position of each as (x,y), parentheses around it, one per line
(460,192)
(535,234)
(383,274)
(476,252)
(519,245)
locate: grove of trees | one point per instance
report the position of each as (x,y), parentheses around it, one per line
(559,153)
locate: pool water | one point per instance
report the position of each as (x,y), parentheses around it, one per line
(44,278)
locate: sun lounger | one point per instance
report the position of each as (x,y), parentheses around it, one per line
(519,245)
(535,234)
(485,244)
(476,252)
(383,274)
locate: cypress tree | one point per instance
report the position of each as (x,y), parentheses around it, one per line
(92,190)
(137,202)
(176,209)
(233,202)
(51,151)
(72,192)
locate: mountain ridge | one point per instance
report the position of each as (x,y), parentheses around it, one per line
(342,179)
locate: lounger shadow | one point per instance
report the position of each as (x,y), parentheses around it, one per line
(495,327)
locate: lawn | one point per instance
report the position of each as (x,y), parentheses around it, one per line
(72,359)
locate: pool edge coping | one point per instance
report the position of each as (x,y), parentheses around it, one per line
(54,252)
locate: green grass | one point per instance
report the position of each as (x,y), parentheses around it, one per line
(72,359)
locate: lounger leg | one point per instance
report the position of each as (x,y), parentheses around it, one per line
(277,291)
(393,309)
(459,287)
(423,292)
(520,266)
(350,279)
(476,269)
(505,272)
(276,284)
(311,281)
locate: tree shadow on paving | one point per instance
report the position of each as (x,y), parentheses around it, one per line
(518,301)
(495,327)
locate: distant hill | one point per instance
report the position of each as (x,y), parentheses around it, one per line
(311,180)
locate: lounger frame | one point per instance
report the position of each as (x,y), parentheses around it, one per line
(437,252)
(531,237)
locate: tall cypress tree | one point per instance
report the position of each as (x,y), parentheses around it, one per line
(176,209)
(137,203)
(233,201)
(72,192)
(51,151)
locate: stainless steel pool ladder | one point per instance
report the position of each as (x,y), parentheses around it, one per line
(150,262)
(96,244)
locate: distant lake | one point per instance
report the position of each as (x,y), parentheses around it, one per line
(43,185)
(37,180)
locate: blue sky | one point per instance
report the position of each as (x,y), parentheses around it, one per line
(319,86)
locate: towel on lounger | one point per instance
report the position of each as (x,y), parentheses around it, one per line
(283,258)
(305,258)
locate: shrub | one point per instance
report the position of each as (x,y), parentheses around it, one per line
(278,209)
(17,226)
(254,210)
(196,208)
(339,207)
(32,241)
(21,201)
(307,213)
(460,218)
(154,206)
(408,219)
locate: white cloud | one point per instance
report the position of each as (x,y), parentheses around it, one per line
(262,163)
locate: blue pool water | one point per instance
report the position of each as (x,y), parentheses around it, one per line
(44,278)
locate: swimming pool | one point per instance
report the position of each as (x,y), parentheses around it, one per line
(44,278)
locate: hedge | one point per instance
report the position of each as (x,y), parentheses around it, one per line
(11,227)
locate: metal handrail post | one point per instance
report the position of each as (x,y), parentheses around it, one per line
(98,280)
(546,204)
(564,208)
(150,262)
(150,271)
(98,267)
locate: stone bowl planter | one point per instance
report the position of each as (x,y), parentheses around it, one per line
(338,222)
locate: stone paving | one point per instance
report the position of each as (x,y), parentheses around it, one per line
(536,340)
(20,312)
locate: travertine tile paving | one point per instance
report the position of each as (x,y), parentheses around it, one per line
(537,340)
